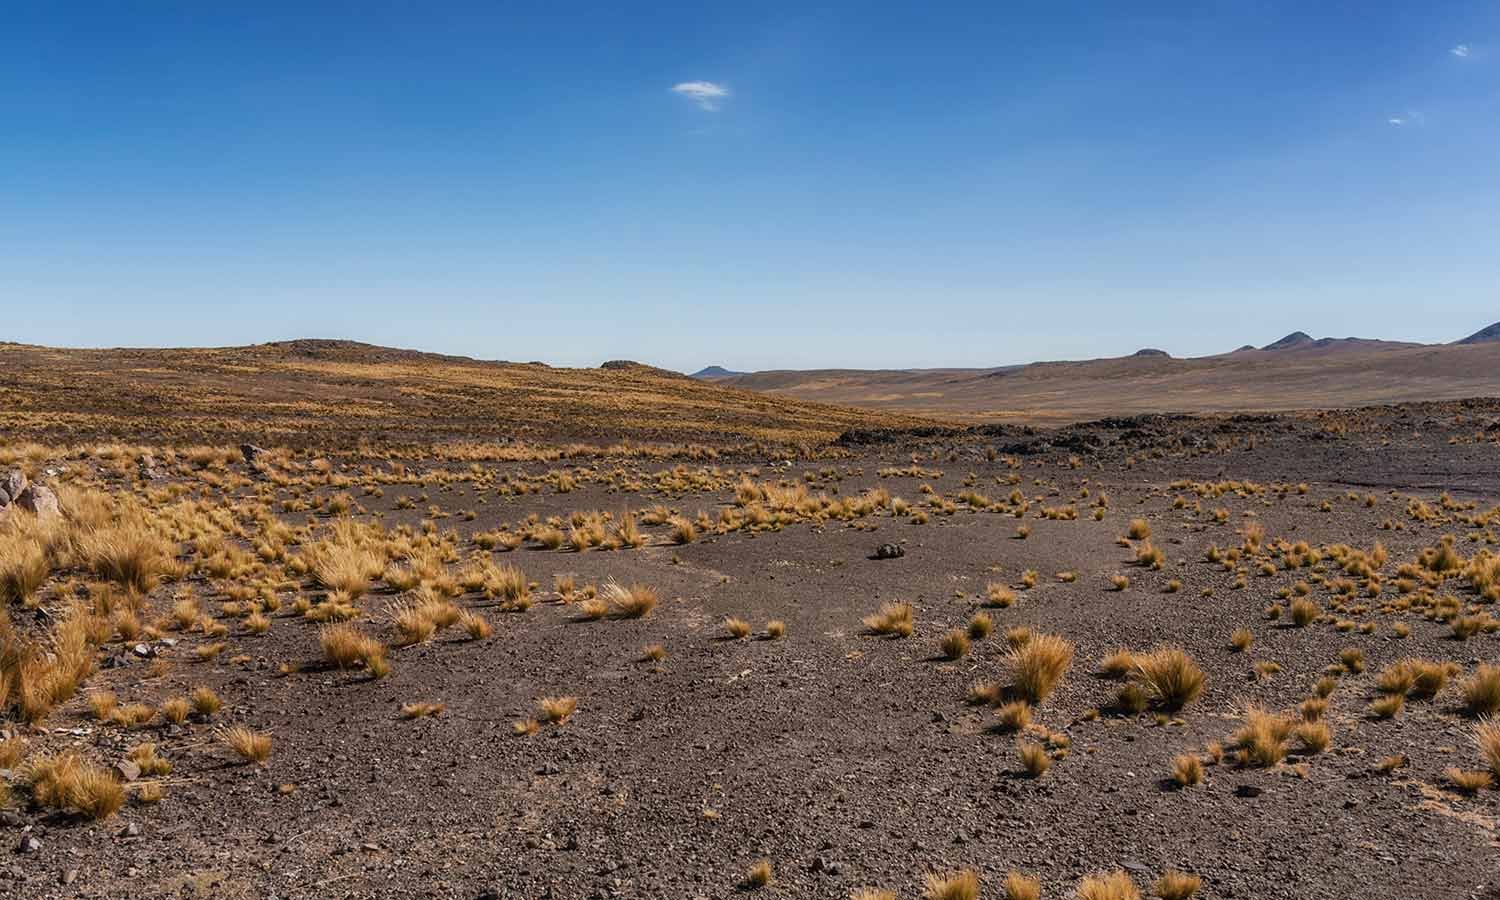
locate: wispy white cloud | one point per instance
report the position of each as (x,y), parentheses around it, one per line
(1461,51)
(706,94)
(1410,117)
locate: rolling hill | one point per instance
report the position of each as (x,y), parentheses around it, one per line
(342,393)
(1296,372)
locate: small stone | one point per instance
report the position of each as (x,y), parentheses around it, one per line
(1248,791)
(69,876)
(890,551)
(131,830)
(29,844)
(128,771)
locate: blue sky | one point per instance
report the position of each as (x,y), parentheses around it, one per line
(755,185)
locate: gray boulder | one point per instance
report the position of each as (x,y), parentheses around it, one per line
(14,483)
(39,500)
(4,498)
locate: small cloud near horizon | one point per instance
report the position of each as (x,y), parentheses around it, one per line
(1461,51)
(705,94)
(1411,117)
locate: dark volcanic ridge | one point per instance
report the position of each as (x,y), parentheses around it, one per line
(715,372)
(1483,336)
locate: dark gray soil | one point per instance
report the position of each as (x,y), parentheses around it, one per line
(849,760)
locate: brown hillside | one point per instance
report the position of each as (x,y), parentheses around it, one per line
(340,393)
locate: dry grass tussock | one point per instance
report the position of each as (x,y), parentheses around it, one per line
(1114,885)
(67,781)
(1170,676)
(960,885)
(1038,665)
(894,619)
(632,602)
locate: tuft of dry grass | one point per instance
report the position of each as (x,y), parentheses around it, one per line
(999,595)
(128,553)
(632,602)
(24,567)
(894,619)
(1035,760)
(960,885)
(759,874)
(205,701)
(1118,664)
(1487,740)
(1177,885)
(1482,691)
(12,749)
(775,630)
(412,622)
(1241,639)
(345,646)
(1304,612)
(525,727)
(737,628)
(67,781)
(1262,739)
(1315,737)
(1038,665)
(251,746)
(683,531)
(955,644)
(654,652)
(1388,706)
(556,710)
(420,708)
(1013,716)
(980,626)
(1114,885)
(1171,676)
(1469,781)
(176,709)
(475,625)
(1021,887)
(1187,770)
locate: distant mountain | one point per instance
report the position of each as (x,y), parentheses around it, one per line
(1297,372)
(1301,340)
(1152,351)
(1483,335)
(715,372)
(1291,341)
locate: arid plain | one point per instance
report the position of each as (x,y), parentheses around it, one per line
(326,620)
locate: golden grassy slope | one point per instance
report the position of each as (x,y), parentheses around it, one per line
(340,394)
